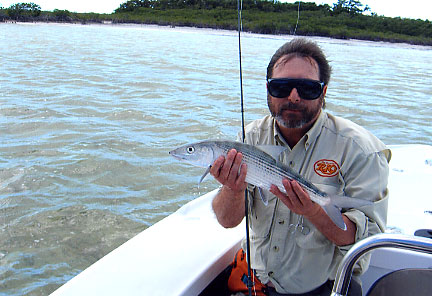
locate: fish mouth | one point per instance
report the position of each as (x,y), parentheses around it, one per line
(176,156)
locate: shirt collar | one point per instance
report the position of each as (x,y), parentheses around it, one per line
(316,129)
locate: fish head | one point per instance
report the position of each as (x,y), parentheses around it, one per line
(199,154)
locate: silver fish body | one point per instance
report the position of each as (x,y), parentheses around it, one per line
(263,170)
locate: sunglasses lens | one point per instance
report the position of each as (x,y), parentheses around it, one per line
(279,88)
(307,89)
(310,90)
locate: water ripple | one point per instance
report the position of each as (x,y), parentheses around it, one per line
(89,113)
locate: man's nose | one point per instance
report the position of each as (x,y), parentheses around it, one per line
(294,96)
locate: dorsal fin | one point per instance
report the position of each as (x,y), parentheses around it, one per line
(272,150)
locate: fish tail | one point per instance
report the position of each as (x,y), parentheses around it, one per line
(347,202)
(338,202)
(335,215)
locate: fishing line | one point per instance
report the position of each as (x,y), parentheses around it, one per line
(298,17)
(239,18)
(240,28)
(250,282)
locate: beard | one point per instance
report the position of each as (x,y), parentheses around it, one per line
(307,114)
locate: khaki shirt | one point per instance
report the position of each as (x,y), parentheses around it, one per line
(339,157)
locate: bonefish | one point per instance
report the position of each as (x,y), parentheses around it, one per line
(263,170)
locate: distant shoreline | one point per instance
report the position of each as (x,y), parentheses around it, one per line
(261,17)
(192,28)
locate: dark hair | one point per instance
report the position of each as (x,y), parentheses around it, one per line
(305,48)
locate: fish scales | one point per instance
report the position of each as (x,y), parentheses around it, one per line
(262,164)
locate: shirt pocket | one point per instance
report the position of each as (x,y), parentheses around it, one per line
(314,239)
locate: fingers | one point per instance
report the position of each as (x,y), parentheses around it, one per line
(290,197)
(282,196)
(216,167)
(299,197)
(241,180)
(230,171)
(295,198)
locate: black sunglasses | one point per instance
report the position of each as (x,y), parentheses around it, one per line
(307,89)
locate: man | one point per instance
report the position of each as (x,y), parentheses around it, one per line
(295,246)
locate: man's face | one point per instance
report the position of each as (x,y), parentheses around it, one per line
(293,111)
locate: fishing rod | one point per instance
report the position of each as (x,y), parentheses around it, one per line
(249,283)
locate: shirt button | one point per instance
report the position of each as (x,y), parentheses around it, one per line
(281,222)
(291,163)
(276,248)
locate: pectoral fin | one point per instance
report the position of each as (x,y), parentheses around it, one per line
(263,196)
(205,174)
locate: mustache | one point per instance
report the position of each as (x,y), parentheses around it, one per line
(291,106)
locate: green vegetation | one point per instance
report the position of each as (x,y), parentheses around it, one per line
(31,12)
(23,10)
(346,19)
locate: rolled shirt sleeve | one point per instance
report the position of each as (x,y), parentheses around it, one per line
(370,219)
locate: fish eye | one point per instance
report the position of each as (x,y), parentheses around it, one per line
(190,149)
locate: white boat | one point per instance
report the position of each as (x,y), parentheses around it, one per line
(184,252)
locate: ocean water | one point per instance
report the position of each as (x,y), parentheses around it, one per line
(88,114)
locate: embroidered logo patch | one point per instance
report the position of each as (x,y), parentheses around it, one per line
(326,168)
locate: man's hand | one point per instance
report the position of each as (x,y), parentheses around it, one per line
(226,171)
(229,205)
(296,198)
(298,201)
